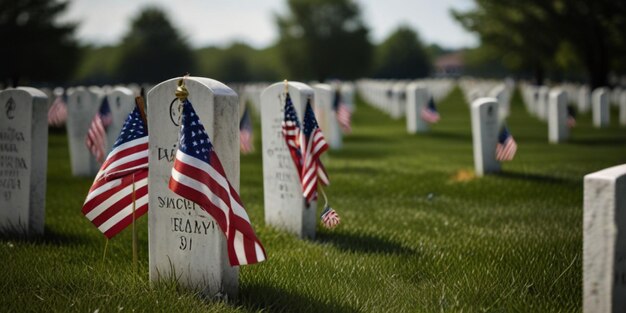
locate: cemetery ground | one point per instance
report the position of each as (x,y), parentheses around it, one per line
(419,232)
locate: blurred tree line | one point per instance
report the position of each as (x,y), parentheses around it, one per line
(558,39)
(319,40)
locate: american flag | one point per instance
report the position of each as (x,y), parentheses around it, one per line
(506,146)
(291,133)
(313,144)
(97,135)
(344,116)
(429,113)
(57,114)
(109,203)
(571,116)
(330,218)
(198,175)
(245,133)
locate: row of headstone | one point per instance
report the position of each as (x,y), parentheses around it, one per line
(405,98)
(598,101)
(82,105)
(502,91)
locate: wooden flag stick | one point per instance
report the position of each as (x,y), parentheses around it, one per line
(106,244)
(139,102)
(134,230)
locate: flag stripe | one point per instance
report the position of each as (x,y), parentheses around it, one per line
(198,175)
(109,203)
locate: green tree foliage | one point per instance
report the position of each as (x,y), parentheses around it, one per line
(36,48)
(98,66)
(549,35)
(324,39)
(239,63)
(402,55)
(153,50)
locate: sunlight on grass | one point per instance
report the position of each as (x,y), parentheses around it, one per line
(419,232)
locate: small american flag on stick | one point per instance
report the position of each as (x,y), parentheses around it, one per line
(313,144)
(198,175)
(571,116)
(57,114)
(245,133)
(506,146)
(344,116)
(291,133)
(96,140)
(429,112)
(109,201)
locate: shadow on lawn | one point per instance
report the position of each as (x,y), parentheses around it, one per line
(540,178)
(362,243)
(599,141)
(257,298)
(461,137)
(50,237)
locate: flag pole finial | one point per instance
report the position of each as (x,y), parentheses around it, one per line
(181,90)
(286,86)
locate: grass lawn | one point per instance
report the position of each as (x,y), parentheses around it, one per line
(419,232)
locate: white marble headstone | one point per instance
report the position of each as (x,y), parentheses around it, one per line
(558,131)
(416,100)
(600,107)
(347,95)
(285,206)
(584,99)
(82,106)
(542,102)
(23,160)
(185,241)
(622,108)
(604,241)
(121,102)
(327,116)
(485,128)
(398,100)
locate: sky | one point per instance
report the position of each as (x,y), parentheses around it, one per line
(220,22)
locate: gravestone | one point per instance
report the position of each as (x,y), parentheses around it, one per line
(584,99)
(122,102)
(347,95)
(600,108)
(285,206)
(542,102)
(23,160)
(185,241)
(558,131)
(604,241)
(485,128)
(622,108)
(327,116)
(398,100)
(416,101)
(82,106)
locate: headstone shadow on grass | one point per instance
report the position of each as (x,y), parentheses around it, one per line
(50,237)
(607,141)
(534,177)
(272,299)
(462,137)
(363,242)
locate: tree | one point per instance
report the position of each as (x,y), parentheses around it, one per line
(402,55)
(35,47)
(539,33)
(324,38)
(153,50)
